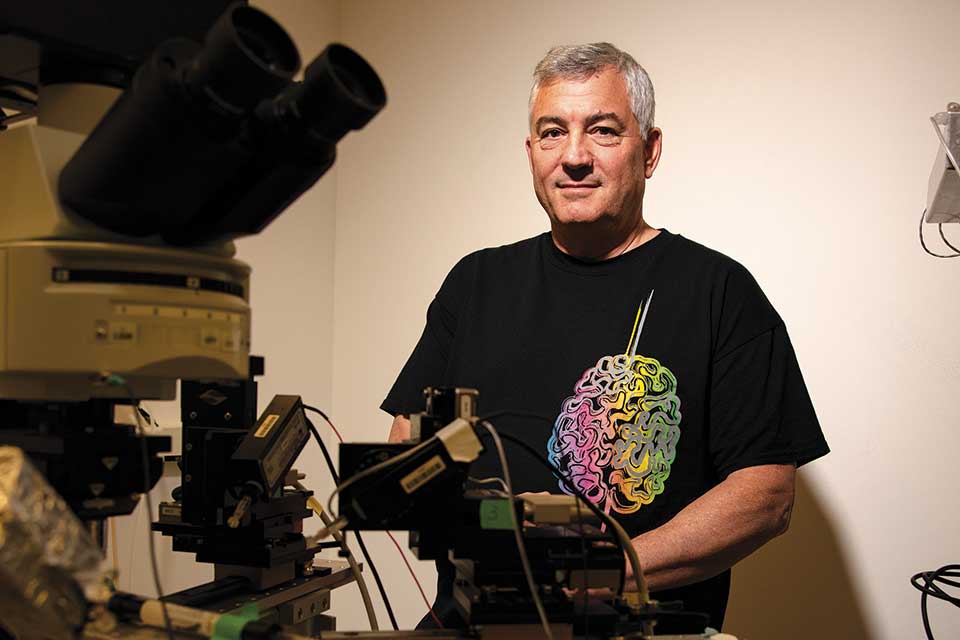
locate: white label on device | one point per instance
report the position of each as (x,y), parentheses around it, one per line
(266,425)
(423,474)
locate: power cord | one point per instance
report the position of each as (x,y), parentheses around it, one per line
(926,583)
(336,479)
(944,238)
(341,539)
(923,242)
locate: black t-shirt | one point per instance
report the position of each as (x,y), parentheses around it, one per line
(646,378)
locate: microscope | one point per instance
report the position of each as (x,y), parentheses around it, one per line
(137,142)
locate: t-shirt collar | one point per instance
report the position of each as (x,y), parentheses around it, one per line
(635,257)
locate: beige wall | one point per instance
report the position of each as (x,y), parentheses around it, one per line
(795,140)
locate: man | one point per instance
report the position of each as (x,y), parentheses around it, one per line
(651,370)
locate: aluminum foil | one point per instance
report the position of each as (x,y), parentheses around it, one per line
(47,556)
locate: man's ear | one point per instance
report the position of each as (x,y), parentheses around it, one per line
(651,152)
(529,148)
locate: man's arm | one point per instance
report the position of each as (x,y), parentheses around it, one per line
(720,528)
(400,429)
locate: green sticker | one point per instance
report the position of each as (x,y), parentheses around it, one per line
(230,626)
(495,514)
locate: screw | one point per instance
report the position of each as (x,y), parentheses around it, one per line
(193,415)
(228,416)
(187,478)
(188,447)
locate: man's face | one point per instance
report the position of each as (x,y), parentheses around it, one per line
(588,159)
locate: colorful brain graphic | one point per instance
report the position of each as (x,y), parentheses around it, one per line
(616,437)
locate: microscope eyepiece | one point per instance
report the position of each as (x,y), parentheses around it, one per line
(340,92)
(246,57)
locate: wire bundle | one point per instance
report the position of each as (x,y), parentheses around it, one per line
(363,549)
(621,537)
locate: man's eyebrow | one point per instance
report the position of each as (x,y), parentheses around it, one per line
(591,120)
(600,117)
(542,120)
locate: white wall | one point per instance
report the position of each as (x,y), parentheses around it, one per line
(796,140)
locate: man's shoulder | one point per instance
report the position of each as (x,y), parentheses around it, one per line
(702,264)
(520,249)
(502,255)
(701,256)
(729,285)
(494,263)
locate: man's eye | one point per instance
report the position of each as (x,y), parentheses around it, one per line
(551,133)
(603,132)
(605,136)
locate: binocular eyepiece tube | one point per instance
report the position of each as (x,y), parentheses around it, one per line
(213,141)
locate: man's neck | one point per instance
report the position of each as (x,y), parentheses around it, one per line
(582,244)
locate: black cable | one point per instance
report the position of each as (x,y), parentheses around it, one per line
(145,453)
(930,588)
(363,547)
(324,451)
(583,544)
(944,238)
(586,576)
(931,577)
(320,413)
(606,518)
(924,244)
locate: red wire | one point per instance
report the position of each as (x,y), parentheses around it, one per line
(414,576)
(337,433)
(403,556)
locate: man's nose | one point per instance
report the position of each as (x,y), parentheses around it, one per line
(577,159)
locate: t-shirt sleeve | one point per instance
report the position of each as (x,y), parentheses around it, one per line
(759,409)
(427,365)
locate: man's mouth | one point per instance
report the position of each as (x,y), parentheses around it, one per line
(578,185)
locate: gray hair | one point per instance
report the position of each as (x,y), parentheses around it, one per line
(581,61)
